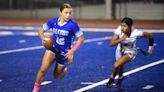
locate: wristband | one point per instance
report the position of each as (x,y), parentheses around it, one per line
(151,48)
(151,42)
(76,46)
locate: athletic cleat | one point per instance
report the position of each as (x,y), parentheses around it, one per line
(110,83)
(119,83)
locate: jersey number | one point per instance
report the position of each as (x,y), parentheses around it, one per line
(60,40)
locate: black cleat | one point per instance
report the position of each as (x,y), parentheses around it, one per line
(119,83)
(110,83)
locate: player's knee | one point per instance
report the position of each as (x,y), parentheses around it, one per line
(116,66)
(55,76)
(58,75)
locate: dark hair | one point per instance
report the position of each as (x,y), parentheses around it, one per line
(128,21)
(65,5)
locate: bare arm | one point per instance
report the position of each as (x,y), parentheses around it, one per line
(148,35)
(115,39)
(151,41)
(76,46)
(41,33)
(78,43)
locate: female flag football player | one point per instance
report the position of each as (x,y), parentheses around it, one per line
(125,37)
(64,30)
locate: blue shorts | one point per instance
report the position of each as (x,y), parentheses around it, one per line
(60,58)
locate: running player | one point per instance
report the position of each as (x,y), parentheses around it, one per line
(125,37)
(64,31)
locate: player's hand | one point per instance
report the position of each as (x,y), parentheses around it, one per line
(150,49)
(124,37)
(43,40)
(69,55)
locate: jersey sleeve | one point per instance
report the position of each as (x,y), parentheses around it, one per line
(77,30)
(48,25)
(138,32)
(118,30)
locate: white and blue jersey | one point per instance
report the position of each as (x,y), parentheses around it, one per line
(127,46)
(63,35)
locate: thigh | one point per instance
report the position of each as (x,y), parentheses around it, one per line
(122,60)
(47,60)
(118,53)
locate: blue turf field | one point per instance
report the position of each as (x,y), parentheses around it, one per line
(21,53)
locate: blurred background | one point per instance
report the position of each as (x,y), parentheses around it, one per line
(84,9)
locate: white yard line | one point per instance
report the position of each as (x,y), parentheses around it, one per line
(125,74)
(20,50)
(83,29)
(46,82)
(32,31)
(40,47)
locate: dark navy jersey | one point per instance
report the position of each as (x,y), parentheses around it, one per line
(63,35)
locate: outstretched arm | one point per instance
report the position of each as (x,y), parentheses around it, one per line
(151,41)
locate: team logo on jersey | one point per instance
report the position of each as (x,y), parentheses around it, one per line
(60,32)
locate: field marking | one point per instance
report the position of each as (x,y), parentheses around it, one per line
(46,82)
(125,74)
(20,50)
(88,83)
(148,87)
(32,31)
(41,47)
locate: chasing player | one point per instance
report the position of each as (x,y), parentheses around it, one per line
(125,37)
(64,31)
